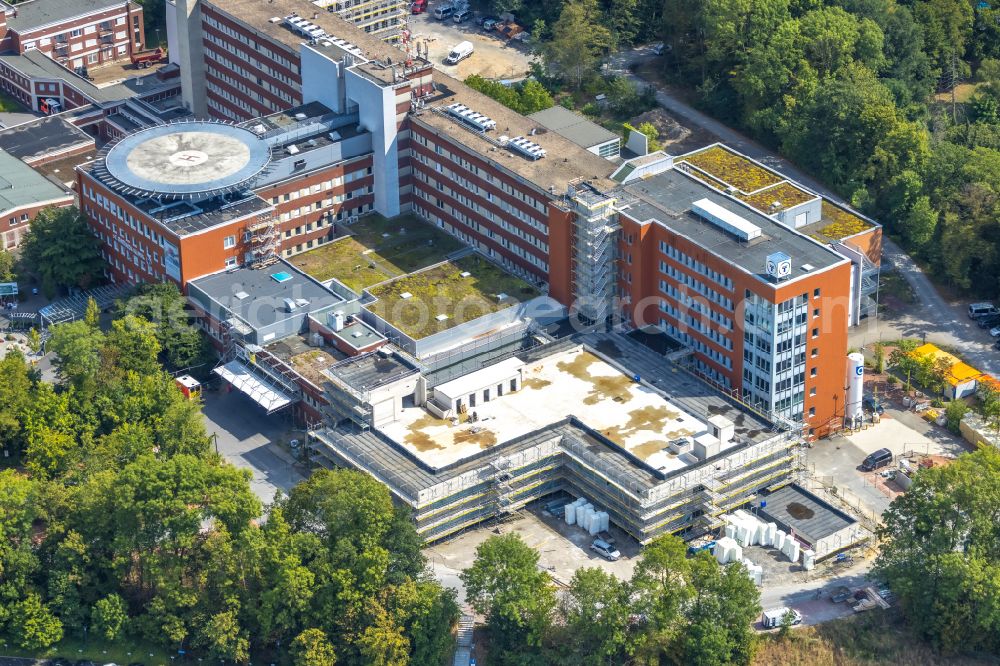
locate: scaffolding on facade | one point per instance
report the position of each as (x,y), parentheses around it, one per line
(596,229)
(265,240)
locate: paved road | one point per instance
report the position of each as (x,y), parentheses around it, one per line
(246,437)
(933,317)
(802,597)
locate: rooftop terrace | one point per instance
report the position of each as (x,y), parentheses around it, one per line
(378,249)
(836,224)
(447,295)
(575,382)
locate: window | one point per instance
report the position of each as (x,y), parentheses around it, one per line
(816,292)
(76,33)
(229,242)
(812,411)
(230,262)
(812,391)
(815,352)
(92,58)
(812,372)
(24,217)
(815,333)
(815,312)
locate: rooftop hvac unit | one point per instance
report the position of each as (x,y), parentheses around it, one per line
(477,120)
(529,149)
(726,219)
(290,305)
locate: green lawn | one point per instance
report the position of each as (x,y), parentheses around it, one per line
(10,105)
(378,249)
(443,290)
(122,652)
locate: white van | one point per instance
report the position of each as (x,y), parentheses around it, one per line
(776,616)
(441,13)
(459,52)
(977,310)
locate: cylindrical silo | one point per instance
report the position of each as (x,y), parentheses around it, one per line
(855,387)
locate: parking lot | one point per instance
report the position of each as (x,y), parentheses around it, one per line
(835,461)
(493,58)
(562,548)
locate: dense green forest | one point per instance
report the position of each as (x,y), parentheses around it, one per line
(857,92)
(117,516)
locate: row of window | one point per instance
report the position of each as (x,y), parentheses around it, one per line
(694,343)
(253,44)
(249,92)
(484,192)
(484,174)
(696,324)
(486,213)
(690,262)
(693,283)
(503,241)
(686,300)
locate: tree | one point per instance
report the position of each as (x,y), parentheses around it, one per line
(182,344)
(954,413)
(505,585)
(579,41)
(77,347)
(6,266)
(33,624)
(92,316)
(939,553)
(720,615)
(661,587)
(312,648)
(16,389)
(383,644)
(133,342)
(62,250)
(108,617)
(34,340)
(595,611)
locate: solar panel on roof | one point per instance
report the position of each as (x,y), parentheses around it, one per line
(529,149)
(477,120)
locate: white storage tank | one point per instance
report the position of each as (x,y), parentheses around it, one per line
(855,386)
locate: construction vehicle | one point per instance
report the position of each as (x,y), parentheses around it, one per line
(868,599)
(144,59)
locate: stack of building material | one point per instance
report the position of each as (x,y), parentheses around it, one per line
(808,559)
(728,550)
(755,572)
(791,549)
(779,540)
(571,511)
(581,513)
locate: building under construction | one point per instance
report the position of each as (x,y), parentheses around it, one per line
(663,456)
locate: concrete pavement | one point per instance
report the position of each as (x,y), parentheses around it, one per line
(247,438)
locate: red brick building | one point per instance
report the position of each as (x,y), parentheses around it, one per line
(74,33)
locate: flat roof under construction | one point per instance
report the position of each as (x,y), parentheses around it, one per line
(812,519)
(573,383)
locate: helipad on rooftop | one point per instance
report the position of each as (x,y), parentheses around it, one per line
(577,383)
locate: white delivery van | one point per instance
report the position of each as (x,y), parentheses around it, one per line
(443,12)
(459,52)
(776,616)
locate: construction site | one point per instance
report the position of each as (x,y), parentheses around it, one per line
(574,415)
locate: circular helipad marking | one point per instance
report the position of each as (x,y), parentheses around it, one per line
(188,158)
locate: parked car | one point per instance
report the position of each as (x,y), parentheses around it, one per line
(776,616)
(996,345)
(995,331)
(876,460)
(873,404)
(605,550)
(418,6)
(488,23)
(982,309)
(459,52)
(841,594)
(441,13)
(988,321)
(461,16)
